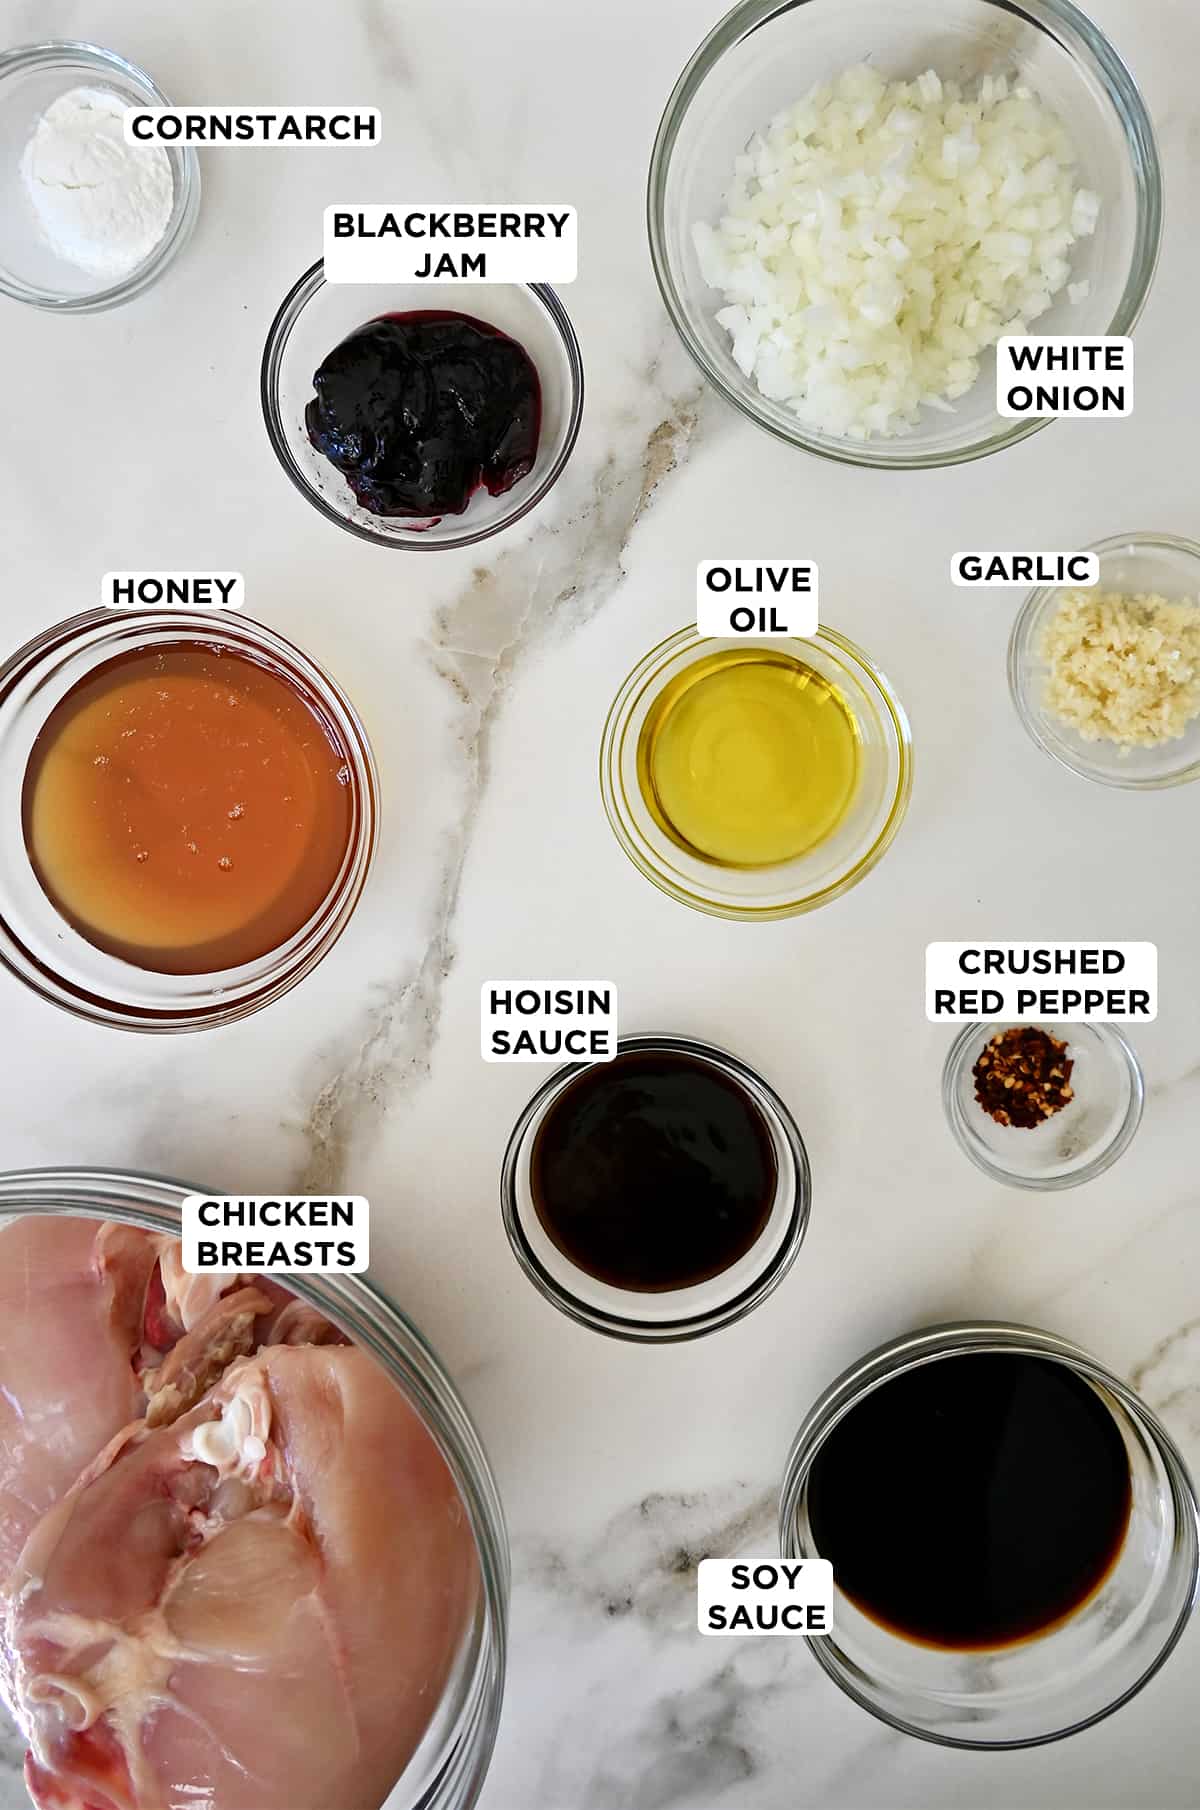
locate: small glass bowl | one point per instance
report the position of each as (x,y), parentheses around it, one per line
(676,1314)
(1081,1141)
(825,871)
(315,316)
(32,77)
(39,947)
(448,1769)
(1077,1672)
(1162,564)
(765,54)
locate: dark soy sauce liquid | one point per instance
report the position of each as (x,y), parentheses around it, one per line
(653,1171)
(974,1501)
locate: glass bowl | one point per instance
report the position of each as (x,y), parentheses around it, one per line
(1081,1141)
(826,870)
(765,54)
(41,948)
(1078,1671)
(1130,563)
(447,1770)
(31,77)
(315,316)
(676,1314)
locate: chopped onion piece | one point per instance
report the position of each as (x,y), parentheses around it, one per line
(879,236)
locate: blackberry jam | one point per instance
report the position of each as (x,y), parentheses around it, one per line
(418,411)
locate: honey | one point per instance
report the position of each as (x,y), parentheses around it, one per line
(748,758)
(186,808)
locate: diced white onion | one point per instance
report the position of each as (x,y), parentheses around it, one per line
(879,236)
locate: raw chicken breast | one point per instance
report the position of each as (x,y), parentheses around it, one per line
(72,1296)
(255,1608)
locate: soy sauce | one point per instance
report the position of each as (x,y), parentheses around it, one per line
(974,1501)
(654,1171)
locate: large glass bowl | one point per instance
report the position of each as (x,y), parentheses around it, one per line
(1079,1670)
(1163,565)
(827,870)
(765,54)
(315,316)
(447,1770)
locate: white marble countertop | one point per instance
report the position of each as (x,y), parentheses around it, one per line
(133,439)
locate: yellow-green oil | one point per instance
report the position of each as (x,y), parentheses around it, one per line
(748,758)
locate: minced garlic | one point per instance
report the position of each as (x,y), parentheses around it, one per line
(1123,669)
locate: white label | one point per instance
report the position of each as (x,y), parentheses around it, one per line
(1025,568)
(172,590)
(531,1022)
(756,599)
(253,125)
(230,1235)
(793,1596)
(1074,983)
(454,243)
(1054,374)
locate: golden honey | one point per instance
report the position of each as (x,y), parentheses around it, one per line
(186,808)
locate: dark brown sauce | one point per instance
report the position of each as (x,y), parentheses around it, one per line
(974,1501)
(654,1171)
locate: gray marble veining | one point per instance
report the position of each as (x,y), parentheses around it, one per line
(479,639)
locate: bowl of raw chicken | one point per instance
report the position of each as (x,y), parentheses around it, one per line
(251,1551)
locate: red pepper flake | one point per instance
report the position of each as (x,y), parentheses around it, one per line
(1023,1077)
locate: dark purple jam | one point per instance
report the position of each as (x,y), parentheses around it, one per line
(418,411)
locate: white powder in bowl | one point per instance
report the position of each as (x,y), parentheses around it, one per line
(100,204)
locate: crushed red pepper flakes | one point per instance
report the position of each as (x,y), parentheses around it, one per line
(1023,1077)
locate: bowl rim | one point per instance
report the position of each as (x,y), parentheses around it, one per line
(1122,90)
(376,1323)
(1030,713)
(613,793)
(185,173)
(302,291)
(227,999)
(929,1344)
(627,1326)
(1103,1158)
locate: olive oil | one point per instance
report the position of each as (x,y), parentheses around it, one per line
(748,758)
